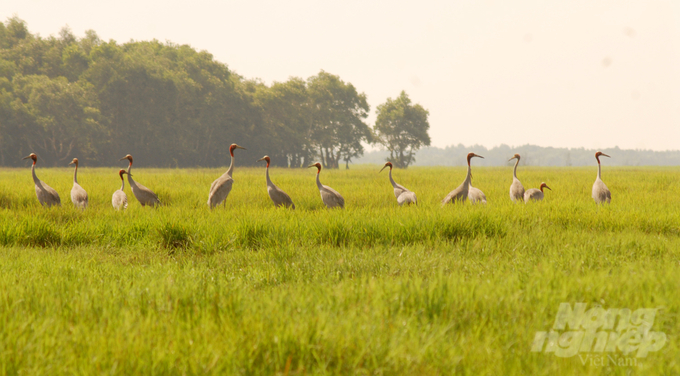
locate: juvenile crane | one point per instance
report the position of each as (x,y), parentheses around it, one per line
(601,193)
(46,194)
(278,196)
(460,194)
(516,188)
(78,194)
(535,194)
(144,195)
(476,196)
(403,195)
(220,188)
(119,199)
(329,196)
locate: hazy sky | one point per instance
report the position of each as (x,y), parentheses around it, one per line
(552,73)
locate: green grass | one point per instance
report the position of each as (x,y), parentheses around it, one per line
(372,289)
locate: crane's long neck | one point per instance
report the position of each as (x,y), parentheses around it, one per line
(514,173)
(318,182)
(599,170)
(122,186)
(35,178)
(231,166)
(392,180)
(75,175)
(269,182)
(468,178)
(128,174)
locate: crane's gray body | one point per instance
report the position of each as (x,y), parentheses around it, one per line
(119,198)
(47,196)
(144,195)
(476,196)
(601,193)
(516,188)
(220,188)
(459,194)
(278,196)
(78,194)
(533,194)
(403,194)
(329,196)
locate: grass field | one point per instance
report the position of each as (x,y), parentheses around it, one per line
(372,289)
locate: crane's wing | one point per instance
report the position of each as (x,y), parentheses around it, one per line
(219,190)
(398,190)
(407,197)
(331,197)
(475,195)
(455,195)
(119,200)
(47,195)
(280,197)
(144,194)
(79,196)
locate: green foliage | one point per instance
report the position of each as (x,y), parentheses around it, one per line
(338,113)
(401,128)
(168,105)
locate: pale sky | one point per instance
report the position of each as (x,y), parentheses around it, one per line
(555,73)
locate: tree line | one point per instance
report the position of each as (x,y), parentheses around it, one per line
(172,106)
(532,155)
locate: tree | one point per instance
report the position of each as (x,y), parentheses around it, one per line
(338,112)
(58,119)
(401,128)
(286,119)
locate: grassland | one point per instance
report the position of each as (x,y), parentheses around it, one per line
(373,289)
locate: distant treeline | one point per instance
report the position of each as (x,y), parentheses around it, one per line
(172,106)
(533,156)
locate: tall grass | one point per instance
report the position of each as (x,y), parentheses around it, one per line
(373,289)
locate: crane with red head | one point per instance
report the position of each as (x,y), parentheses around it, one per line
(78,194)
(403,195)
(220,188)
(278,196)
(601,193)
(47,196)
(516,188)
(460,194)
(119,199)
(330,197)
(144,195)
(534,194)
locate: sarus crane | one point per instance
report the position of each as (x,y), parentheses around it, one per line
(601,193)
(329,196)
(460,194)
(534,194)
(403,195)
(47,196)
(144,195)
(119,198)
(78,194)
(516,188)
(278,196)
(220,188)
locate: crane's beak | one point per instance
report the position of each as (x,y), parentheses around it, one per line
(25,157)
(384,167)
(604,155)
(548,187)
(239,147)
(478,156)
(122,158)
(512,159)
(261,159)
(311,166)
